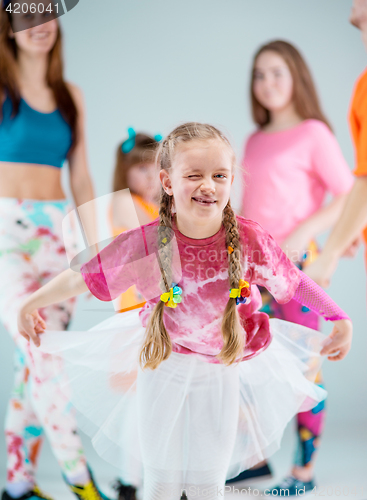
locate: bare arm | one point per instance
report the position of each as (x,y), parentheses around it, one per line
(80,179)
(66,285)
(352,221)
(350,225)
(296,243)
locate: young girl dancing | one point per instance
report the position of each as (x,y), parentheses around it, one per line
(218,381)
(292,162)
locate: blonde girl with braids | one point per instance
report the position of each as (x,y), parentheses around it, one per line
(217,381)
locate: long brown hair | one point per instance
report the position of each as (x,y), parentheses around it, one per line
(305,98)
(157,343)
(144,151)
(54,76)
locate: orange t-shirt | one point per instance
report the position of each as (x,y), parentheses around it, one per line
(358,125)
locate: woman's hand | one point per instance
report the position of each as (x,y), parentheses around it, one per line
(352,250)
(322,269)
(339,341)
(30,325)
(296,243)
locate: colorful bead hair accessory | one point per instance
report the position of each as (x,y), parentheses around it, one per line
(241,293)
(173,297)
(158,137)
(230,250)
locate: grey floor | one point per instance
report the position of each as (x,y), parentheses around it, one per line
(341,467)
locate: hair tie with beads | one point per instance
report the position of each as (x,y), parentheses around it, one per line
(241,293)
(173,297)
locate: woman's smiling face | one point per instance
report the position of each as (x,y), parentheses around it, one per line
(200,181)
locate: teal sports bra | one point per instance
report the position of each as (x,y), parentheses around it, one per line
(33,137)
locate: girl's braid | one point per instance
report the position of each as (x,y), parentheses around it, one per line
(232,240)
(164,235)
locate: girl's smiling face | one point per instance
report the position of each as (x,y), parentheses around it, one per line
(200,181)
(40,39)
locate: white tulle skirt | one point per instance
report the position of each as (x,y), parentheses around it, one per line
(188,424)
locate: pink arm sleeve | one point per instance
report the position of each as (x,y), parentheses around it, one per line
(309,294)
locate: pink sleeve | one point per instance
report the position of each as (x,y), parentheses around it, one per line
(111,271)
(328,160)
(271,268)
(309,294)
(131,259)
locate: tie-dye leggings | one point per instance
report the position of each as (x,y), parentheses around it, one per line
(32,251)
(309,424)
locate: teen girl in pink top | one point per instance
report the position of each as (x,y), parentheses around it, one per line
(291,163)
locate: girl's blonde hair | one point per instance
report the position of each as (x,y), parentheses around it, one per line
(157,344)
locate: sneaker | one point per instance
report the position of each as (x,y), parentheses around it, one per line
(263,472)
(34,494)
(125,491)
(89,491)
(291,486)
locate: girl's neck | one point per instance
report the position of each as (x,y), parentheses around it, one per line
(283,119)
(197,231)
(32,71)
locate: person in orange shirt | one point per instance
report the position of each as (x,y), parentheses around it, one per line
(135,194)
(353,220)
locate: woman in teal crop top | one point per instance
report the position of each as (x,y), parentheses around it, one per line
(41,126)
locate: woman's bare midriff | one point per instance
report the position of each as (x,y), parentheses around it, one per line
(29,181)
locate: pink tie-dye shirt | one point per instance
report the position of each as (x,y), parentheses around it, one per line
(200,267)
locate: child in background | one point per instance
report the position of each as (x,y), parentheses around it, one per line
(293,161)
(136,170)
(218,381)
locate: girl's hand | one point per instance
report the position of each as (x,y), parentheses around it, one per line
(339,341)
(30,325)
